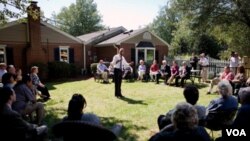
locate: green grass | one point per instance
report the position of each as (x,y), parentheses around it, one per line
(138,112)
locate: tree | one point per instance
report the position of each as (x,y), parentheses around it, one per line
(164,24)
(12,9)
(80,18)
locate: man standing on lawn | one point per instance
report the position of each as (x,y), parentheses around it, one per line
(118,63)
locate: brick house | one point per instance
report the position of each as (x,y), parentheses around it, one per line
(138,44)
(23,43)
(35,41)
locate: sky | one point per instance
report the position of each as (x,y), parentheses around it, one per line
(131,14)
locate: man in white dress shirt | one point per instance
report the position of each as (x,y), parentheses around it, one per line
(118,63)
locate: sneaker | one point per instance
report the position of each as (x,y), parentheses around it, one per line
(208,92)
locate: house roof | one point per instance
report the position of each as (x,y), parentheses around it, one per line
(132,36)
(99,36)
(17,31)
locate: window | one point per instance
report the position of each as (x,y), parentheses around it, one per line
(146,54)
(64,54)
(3,54)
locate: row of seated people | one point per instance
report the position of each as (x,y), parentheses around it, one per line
(237,81)
(166,72)
(187,121)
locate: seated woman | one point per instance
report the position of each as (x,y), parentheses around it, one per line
(185,126)
(191,94)
(239,80)
(141,70)
(38,84)
(174,72)
(154,71)
(26,102)
(184,73)
(75,112)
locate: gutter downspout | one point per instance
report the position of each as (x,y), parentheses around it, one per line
(84,56)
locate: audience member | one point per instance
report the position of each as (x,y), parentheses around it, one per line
(26,102)
(239,80)
(226,75)
(185,126)
(75,112)
(242,118)
(141,70)
(221,111)
(165,72)
(8,80)
(234,61)
(193,61)
(2,70)
(204,67)
(191,94)
(11,123)
(154,71)
(174,72)
(38,84)
(103,71)
(184,73)
(11,69)
(18,75)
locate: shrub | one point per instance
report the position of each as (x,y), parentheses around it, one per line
(62,70)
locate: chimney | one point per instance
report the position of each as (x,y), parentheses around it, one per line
(34,53)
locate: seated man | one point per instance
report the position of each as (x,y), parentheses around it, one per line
(184,73)
(141,70)
(26,102)
(185,126)
(165,71)
(221,111)
(191,94)
(226,75)
(103,70)
(13,127)
(128,72)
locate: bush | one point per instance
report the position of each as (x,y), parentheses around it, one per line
(62,70)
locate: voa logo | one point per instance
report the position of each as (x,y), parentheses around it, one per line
(236,132)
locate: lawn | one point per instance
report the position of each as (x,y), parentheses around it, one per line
(138,111)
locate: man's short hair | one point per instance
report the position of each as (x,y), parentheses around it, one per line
(244,95)
(5,94)
(191,94)
(185,116)
(225,88)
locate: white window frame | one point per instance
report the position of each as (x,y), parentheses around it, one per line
(145,53)
(66,48)
(4,52)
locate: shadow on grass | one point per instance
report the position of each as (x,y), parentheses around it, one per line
(52,117)
(198,85)
(51,83)
(132,101)
(126,133)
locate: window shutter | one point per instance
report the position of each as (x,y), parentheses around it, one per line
(9,55)
(56,54)
(71,55)
(157,55)
(133,54)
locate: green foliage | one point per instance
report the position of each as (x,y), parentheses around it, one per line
(62,70)
(80,18)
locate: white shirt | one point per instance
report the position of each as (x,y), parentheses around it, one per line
(204,61)
(234,62)
(118,65)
